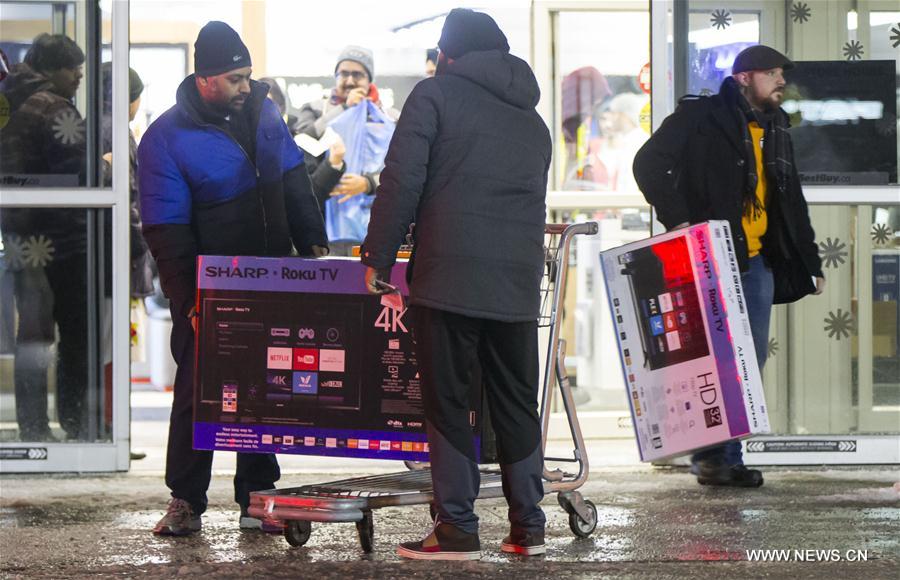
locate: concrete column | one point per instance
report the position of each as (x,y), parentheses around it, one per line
(254,34)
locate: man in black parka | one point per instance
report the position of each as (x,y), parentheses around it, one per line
(729,157)
(468,164)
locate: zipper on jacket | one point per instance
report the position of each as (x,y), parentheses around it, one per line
(262,203)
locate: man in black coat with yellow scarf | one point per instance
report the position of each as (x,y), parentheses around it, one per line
(729,157)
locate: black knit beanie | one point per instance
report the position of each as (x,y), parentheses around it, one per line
(135,84)
(469,31)
(219,49)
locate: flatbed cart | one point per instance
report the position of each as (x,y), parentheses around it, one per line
(354,500)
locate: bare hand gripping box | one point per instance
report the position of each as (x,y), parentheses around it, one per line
(685,342)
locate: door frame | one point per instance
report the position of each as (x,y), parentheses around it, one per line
(30,457)
(667,18)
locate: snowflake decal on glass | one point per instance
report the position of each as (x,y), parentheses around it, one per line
(853,50)
(895,36)
(38,251)
(13,252)
(68,128)
(881,234)
(720,19)
(773,347)
(839,324)
(800,12)
(833,252)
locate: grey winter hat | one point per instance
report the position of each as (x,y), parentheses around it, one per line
(760,57)
(359,55)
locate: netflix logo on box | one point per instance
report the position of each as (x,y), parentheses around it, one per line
(279,358)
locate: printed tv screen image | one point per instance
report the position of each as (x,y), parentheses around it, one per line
(665,298)
(309,364)
(280,360)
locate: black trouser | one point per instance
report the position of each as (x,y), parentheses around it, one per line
(68,278)
(188,471)
(56,293)
(34,337)
(447,348)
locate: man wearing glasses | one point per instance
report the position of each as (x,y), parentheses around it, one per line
(353,76)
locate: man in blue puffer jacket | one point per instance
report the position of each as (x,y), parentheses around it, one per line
(218,174)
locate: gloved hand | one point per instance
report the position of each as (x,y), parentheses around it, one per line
(378,281)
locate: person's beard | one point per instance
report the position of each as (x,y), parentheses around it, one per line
(230,106)
(768,104)
(237,104)
(774,100)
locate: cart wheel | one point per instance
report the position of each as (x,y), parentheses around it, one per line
(297,532)
(366,529)
(584,528)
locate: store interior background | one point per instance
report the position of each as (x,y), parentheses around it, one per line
(824,377)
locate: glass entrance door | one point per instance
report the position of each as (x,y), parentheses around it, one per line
(63,394)
(831,379)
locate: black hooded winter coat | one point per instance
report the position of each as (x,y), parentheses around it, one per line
(468,164)
(693,169)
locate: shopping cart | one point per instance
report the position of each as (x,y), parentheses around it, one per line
(354,500)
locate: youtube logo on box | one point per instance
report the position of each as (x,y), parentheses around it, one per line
(306,359)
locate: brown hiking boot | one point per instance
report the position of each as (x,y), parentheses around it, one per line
(178,521)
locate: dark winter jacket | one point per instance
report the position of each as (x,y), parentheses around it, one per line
(202,193)
(141,261)
(42,145)
(693,169)
(45,133)
(324,177)
(468,164)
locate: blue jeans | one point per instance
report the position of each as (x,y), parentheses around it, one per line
(759,290)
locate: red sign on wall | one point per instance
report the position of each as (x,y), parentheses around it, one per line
(644,78)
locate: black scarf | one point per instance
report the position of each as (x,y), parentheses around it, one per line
(236,124)
(776,150)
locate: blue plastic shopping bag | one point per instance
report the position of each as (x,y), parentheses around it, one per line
(367,133)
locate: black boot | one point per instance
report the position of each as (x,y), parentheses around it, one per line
(722,475)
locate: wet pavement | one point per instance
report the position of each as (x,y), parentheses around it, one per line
(652,522)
